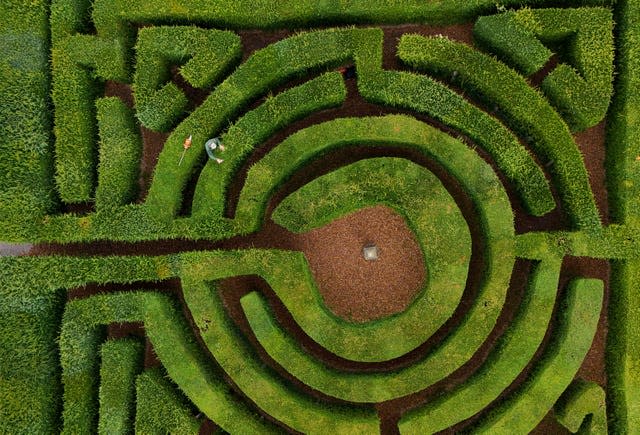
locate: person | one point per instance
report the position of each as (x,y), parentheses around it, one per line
(214,144)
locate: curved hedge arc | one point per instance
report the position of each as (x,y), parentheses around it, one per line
(523,410)
(327,91)
(581,91)
(280,400)
(210,54)
(265,69)
(428,209)
(447,271)
(365,46)
(557,368)
(174,345)
(476,177)
(534,116)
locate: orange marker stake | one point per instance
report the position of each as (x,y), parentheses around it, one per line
(186,145)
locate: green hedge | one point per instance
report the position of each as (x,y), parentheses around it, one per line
(169,333)
(578,319)
(119,155)
(398,131)
(583,401)
(206,54)
(121,361)
(76,62)
(26,158)
(29,365)
(427,96)
(261,385)
(531,115)
(251,14)
(265,69)
(322,49)
(581,91)
(623,147)
(256,126)
(507,360)
(160,408)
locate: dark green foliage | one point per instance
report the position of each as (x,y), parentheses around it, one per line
(26,159)
(119,157)
(257,126)
(121,361)
(31,302)
(530,114)
(578,321)
(250,14)
(512,42)
(275,396)
(160,408)
(29,365)
(580,89)
(623,149)
(582,407)
(206,54)
(77,61)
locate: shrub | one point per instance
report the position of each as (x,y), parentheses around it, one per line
(26,159)
(121,361)
(424,95)
(207,55)
(271,394)
(74,92)
(531,115)
(581,91)
(120,152)
(257,126)
(551,376)
(160,408)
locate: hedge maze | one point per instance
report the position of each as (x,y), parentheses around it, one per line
(506,137)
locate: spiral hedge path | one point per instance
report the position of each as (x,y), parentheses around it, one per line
(509,333)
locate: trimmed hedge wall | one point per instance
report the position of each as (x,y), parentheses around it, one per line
(206,54)
(323,92)
(532,115)
(119,156)
(264,70)
(76,62)
(26,159)
(583,401)
(623,179)
(578,320)
(121,361)
(248,14)
(581,91)
(427,96)
(263,387)
(160,408)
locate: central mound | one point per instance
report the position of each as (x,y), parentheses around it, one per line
(354,288)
